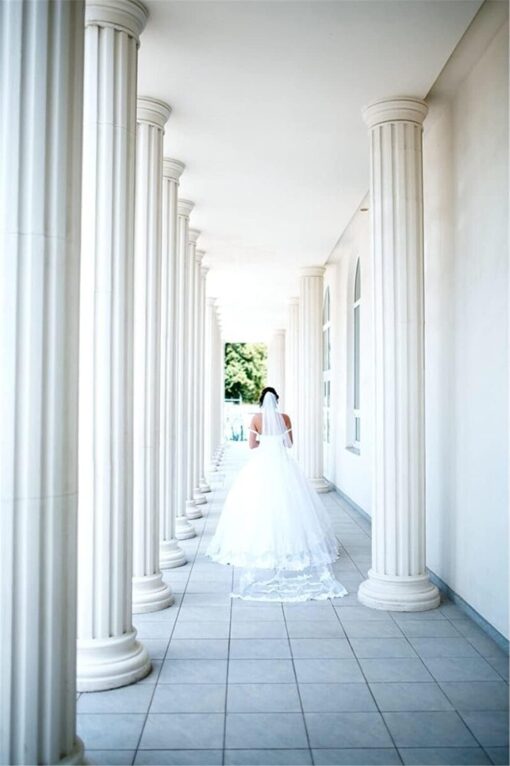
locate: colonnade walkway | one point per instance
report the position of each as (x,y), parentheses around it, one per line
(323,683)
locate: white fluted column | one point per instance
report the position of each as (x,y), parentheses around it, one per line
(203,485)
(291,358)
(171,554)
(192,503)
(220,384)
(41,77)
(214,386)
(209,383)
(276,365)
(198,380)
(398,579)
(310,371)
(292,368)
(150,593)
(108,653)
(183,340)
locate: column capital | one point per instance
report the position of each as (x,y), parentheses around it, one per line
(211,301)
(312,271)
(184,207)
(193,235)
(153,111)
(199,255)
(125,15)
(400,109)
(204,271)
(173,169)
(294,301)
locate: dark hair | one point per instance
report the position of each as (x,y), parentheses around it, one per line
(267,390)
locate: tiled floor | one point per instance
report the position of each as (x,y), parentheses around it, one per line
(323,683)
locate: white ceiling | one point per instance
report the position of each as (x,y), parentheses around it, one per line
(266,100)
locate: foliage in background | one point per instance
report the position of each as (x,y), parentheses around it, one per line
(245,370)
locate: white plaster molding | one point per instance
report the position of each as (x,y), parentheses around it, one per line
(193,235)
(173,169)
(152,111)
(185,207)
(312,271)
(128,16)
(400,109)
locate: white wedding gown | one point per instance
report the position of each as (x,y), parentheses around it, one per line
(274,527)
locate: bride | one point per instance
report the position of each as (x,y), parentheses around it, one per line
(273,526)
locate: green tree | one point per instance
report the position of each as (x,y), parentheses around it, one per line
(245,370)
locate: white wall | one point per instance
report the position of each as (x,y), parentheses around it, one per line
(466,257)
(349,471)
(466,281)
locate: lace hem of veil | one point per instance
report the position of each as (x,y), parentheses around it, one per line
(314,583)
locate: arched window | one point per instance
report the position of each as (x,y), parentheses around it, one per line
(326,366)
(356,348)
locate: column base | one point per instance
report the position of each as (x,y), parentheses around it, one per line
(171,555)
(108,663)
(398,593)
(77,754)
(192,511)
(198,497)
(183,529)
(204,486)
(151,594)
(321,485)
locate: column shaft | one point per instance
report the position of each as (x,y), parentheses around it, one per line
(209,383)
(192,509)
(108,653)
(397,579)
(291,365)
(202,482)
(150,593)
(310,371)
(41,82)
(276,365)
(171,554)
(198,380)
(184,529)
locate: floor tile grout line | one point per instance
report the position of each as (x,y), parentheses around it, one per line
(371,692)
(228,671)
(166,652)
(312,758)
(435,681)
(337,611)
(452,622)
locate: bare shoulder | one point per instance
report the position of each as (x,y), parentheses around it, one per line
(256,422)
(287,420)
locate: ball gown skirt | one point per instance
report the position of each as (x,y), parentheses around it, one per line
(274,528)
